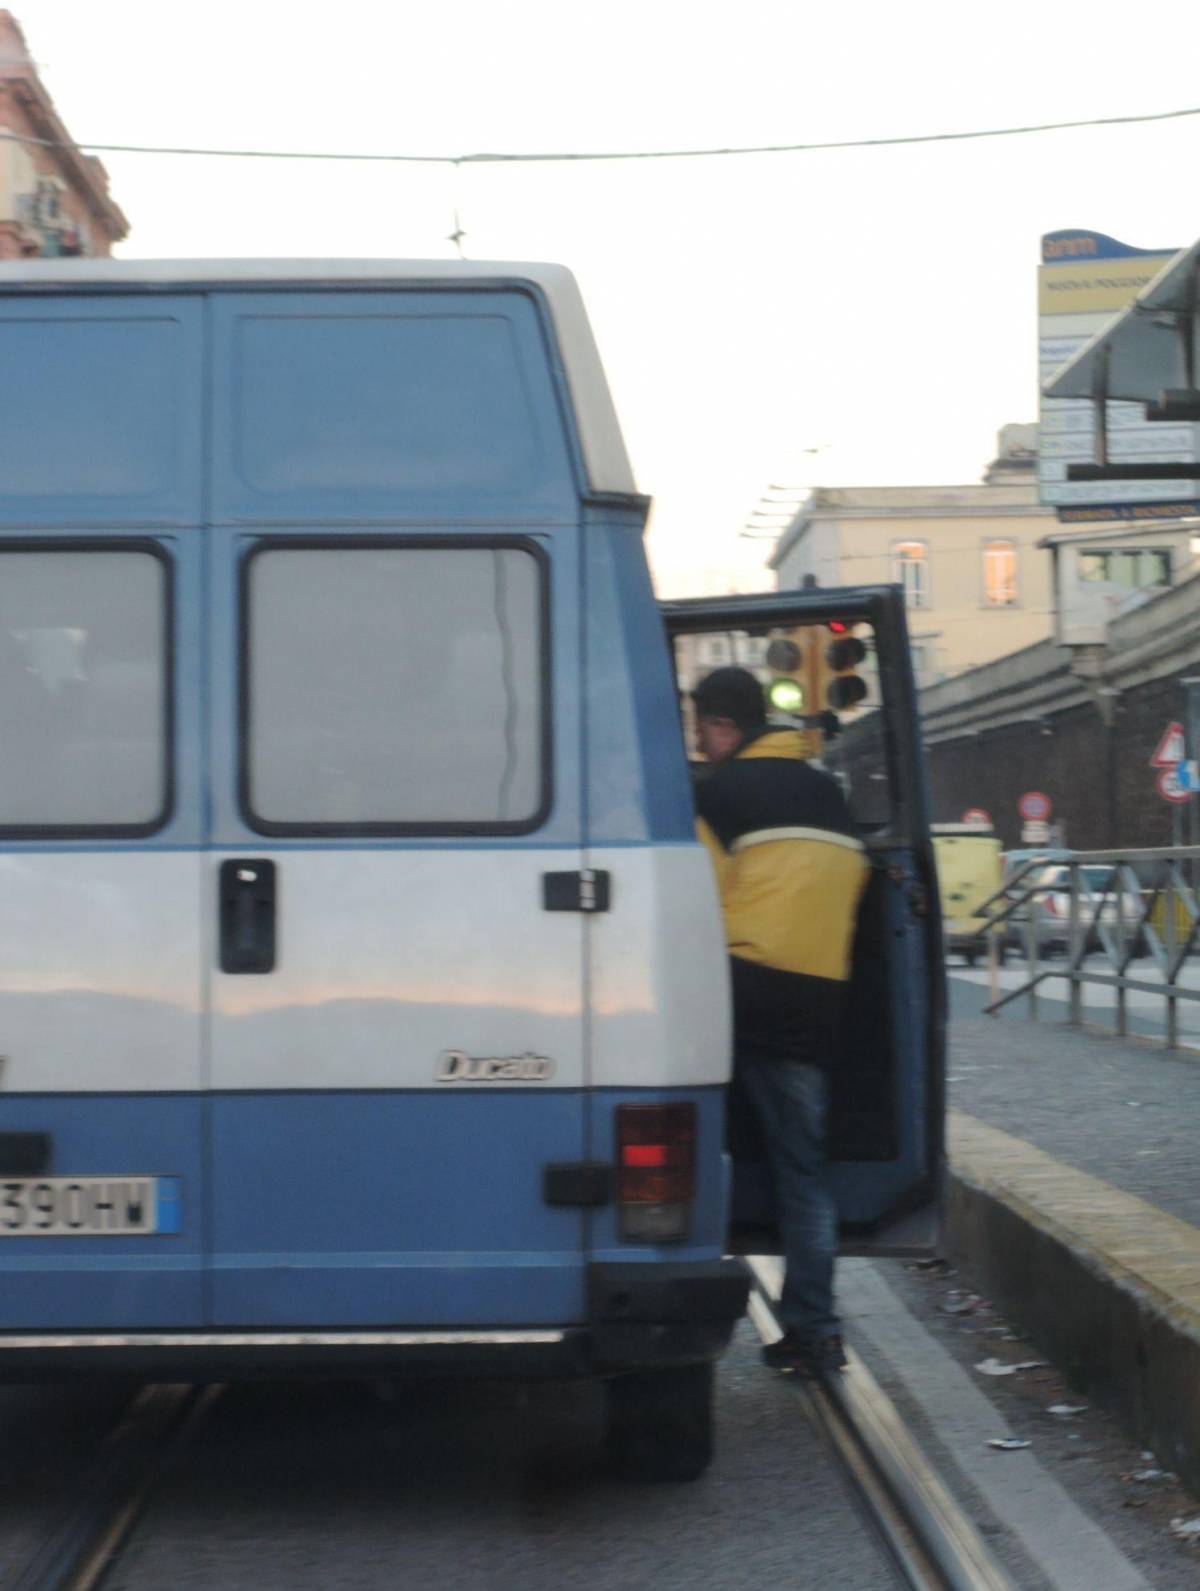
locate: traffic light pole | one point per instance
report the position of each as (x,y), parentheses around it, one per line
(813,677)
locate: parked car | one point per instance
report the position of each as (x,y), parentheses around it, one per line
(1101,904)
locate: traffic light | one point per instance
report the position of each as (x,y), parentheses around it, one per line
(844,688)
(786,657)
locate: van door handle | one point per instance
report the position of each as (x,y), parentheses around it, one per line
(247,915)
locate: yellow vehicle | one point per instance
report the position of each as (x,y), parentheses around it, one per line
(969,871)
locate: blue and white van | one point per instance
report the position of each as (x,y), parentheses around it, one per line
(363,1003)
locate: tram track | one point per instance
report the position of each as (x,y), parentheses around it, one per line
(134,1455)
(930,1541)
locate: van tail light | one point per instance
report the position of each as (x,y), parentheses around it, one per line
(656,1171)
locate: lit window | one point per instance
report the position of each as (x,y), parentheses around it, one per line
(910,566)
(999,574)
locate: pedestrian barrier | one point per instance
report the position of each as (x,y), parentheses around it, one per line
(1144,906)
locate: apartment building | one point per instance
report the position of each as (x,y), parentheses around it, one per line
(54,199)
(977,581)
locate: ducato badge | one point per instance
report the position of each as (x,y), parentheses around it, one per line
(456,1066)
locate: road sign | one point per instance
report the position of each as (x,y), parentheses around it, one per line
(1035,807)
(1170,786)
(1035,832)
(1171,747)
(977,818)
(1188,774)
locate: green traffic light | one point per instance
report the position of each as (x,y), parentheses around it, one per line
(786,694)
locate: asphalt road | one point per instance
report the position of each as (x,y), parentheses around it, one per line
(500,1486)
(475,1486)
(48,1435)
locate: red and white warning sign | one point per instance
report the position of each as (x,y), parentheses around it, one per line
(1170,786)
(1035,807)
(977,818)
(1171,750)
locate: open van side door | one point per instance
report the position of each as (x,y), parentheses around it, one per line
(857,705)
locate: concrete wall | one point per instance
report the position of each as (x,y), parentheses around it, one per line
(1078,724)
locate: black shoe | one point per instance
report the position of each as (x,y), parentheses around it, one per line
(805,1356)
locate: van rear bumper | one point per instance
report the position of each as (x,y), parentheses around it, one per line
(639,1317)
(646,1315)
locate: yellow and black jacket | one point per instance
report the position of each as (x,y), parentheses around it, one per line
(791,872)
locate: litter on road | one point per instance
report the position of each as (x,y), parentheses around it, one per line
(960,1303)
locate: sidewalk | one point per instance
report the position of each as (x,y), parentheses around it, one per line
(1145,1012)
(1075,1194)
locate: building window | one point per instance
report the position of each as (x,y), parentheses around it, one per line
(910,570)
(999,574)
(1131,568)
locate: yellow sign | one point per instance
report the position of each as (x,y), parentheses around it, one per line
(1095,286)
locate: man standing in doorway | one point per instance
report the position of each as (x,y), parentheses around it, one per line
(790,871)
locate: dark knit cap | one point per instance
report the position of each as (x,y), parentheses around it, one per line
(732,693)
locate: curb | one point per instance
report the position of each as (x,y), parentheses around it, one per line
(1107,1285)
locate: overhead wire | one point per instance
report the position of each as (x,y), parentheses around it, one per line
(531,157)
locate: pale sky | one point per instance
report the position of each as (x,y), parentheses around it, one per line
(876,304)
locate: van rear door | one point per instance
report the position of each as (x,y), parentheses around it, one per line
(397,1020)
(101,974)
(887,1083)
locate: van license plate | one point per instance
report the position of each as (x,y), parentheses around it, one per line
(89,1206)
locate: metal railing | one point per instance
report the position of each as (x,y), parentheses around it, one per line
(1146,907)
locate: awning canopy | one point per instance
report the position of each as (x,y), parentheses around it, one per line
(1149,350)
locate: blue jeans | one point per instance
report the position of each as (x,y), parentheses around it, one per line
(791,1101)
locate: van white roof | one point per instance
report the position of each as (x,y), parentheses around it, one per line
(605,458)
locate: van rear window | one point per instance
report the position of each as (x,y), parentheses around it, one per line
(395,687)
(84,689)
